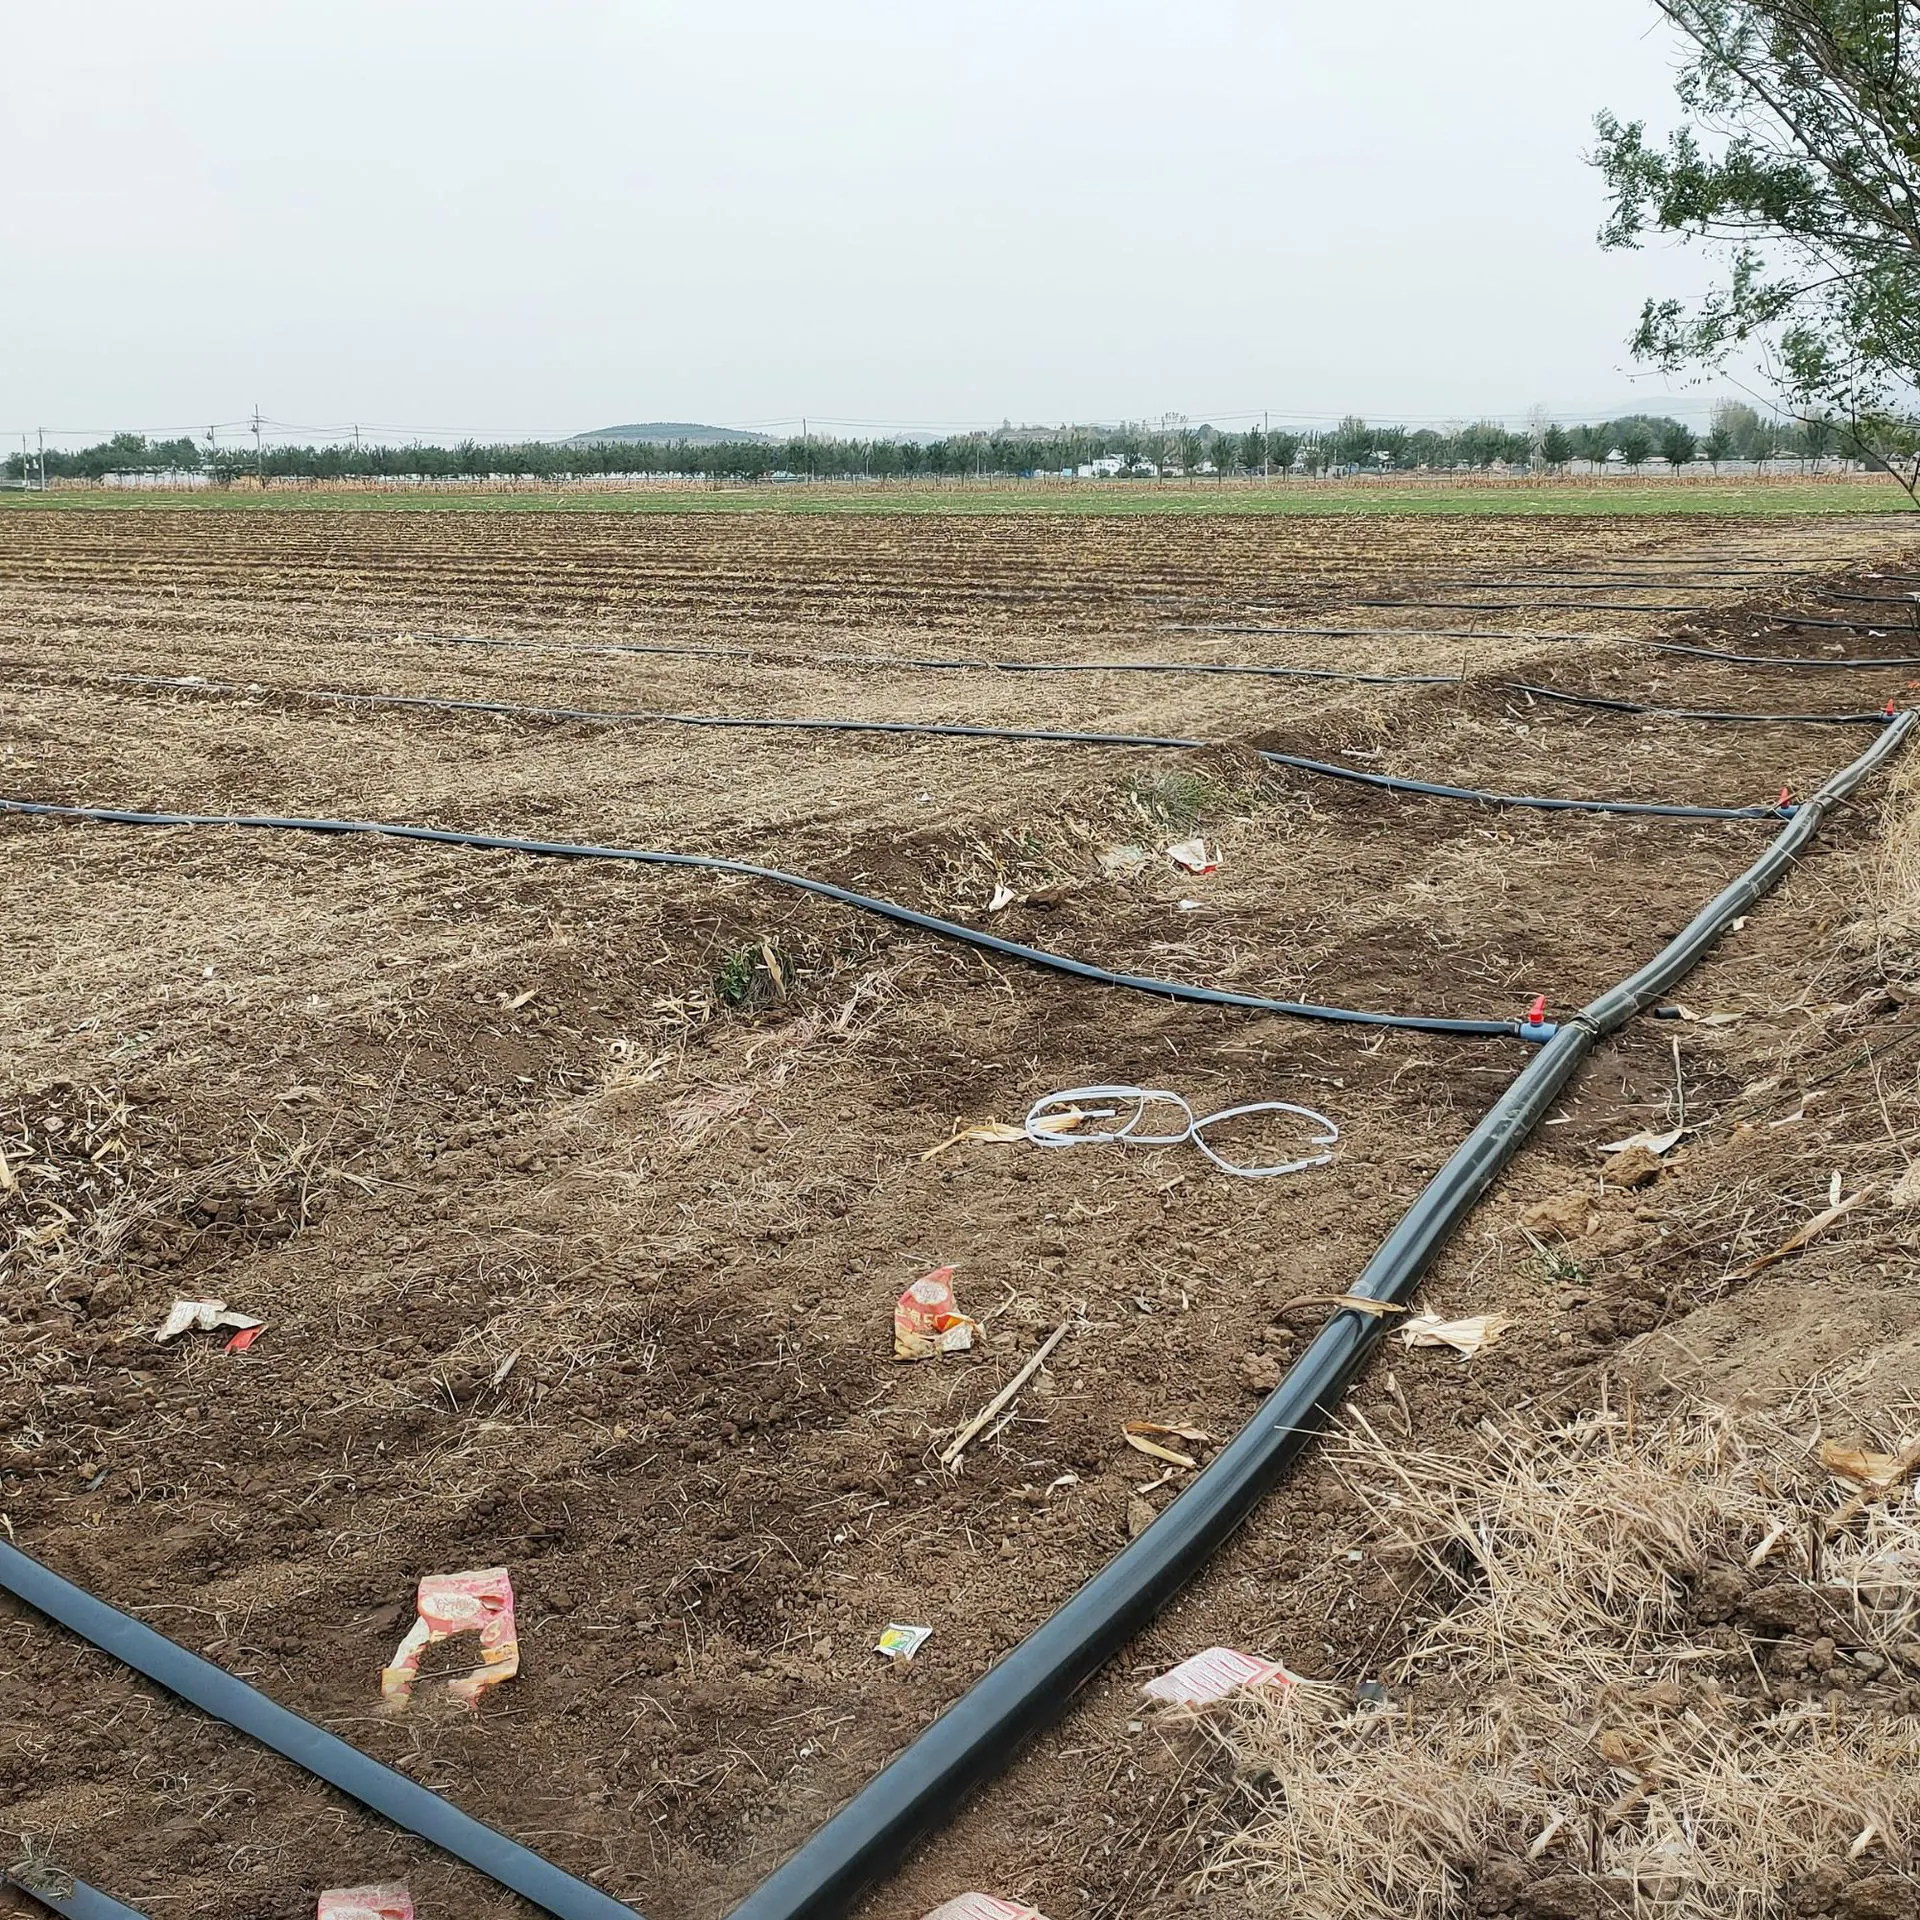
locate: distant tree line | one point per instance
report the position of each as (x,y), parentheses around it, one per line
(1737,433)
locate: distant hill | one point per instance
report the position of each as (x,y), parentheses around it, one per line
(663,433)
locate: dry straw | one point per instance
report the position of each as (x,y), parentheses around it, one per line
(1569,1726)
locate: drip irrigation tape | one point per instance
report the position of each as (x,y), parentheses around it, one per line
(1034,1684)
(822,889)
(61,1893)
(603,716)
(1757,572)
(1698,713)
(1250,669)
(1594,639)
(1799,663)
(1393,783)
(1838,626)
(935,663)
(1530,606)
(1684,952)
(1746,583)
(1408,633)
(679,650)
(217,1693)
(958,730)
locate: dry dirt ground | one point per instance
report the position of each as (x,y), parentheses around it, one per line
(576,1196)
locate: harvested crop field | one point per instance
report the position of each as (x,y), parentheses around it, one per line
(576,1194)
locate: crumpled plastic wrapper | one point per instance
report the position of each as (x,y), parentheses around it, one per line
(1213,1676)
(366,1903)
(449,1604)
(928,1322)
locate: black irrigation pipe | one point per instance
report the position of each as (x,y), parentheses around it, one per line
(822,889)
(1836,626)
(1799,663)
(1326,769)
(218,1693)
(1697,713)
(1733,577)
(1632,567)
(1529,606)
(1417,633)
(59,1892)
(605,716)
(1910,601)
(676,648)
(950,664)
(1574,581)
(1393,783)
(1035,1684)
(935,663)
(1374,633)
(1029,1689)
(1595,639)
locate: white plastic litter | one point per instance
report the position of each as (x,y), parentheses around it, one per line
(1142,1099)
(204,1316)
(983,1906)
(1211,1676)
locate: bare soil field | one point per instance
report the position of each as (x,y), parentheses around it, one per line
(576,1196)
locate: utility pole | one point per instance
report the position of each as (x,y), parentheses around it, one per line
(1266,452)
(43,459)
(259,452)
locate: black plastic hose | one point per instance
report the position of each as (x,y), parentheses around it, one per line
(1838,626)
(1698,713)
(1798,663)
(676,648)
(1403,633)
(945,664)
(1393,783)
(606,716)
(392,1795)
(1528,606)
(1573,582)
(1556,639)
(1034,1684)
(936,663)
(60,1893)
(823,889)
(953,730)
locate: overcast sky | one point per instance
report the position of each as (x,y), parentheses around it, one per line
(536,216)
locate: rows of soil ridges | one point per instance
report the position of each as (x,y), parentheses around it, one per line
(576,1196)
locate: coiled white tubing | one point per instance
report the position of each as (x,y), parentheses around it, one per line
(1143,1098)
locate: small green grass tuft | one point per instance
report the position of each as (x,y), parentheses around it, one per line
(757,974)
(1176,797)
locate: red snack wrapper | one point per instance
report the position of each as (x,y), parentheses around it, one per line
(366,1903)
(926,1321)
(451,1603)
